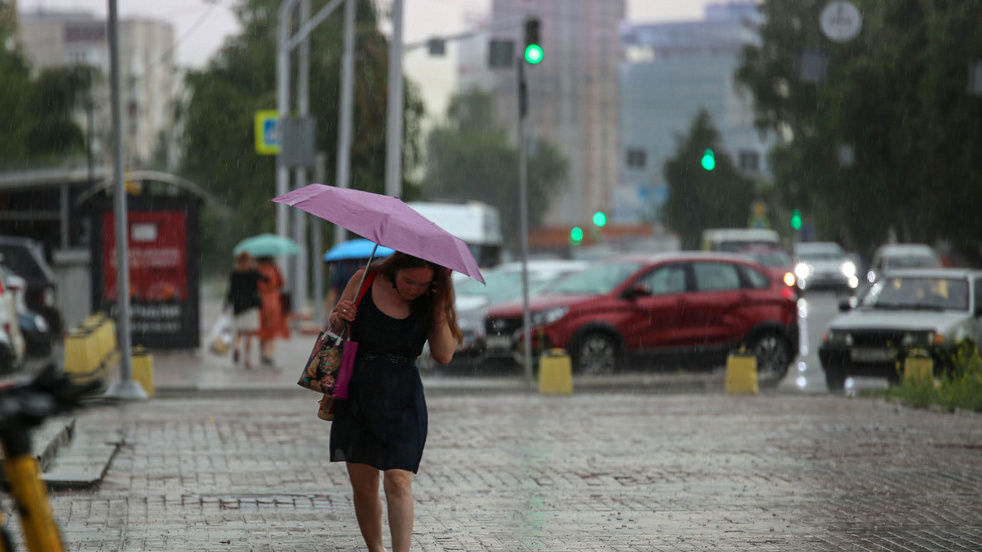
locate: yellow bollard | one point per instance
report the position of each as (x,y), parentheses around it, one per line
(555,372)
(81,352)
(741,373)
(919,367)
(141,364)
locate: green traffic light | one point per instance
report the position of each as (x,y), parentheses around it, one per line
(708,160)
(599,218)
(533,54)
(796,220)
(576,234)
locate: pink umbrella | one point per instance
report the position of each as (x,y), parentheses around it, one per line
(387,221)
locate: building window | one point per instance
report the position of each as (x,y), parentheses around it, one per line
(750,160)
(636,158)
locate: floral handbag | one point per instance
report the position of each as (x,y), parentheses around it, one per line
(329,365)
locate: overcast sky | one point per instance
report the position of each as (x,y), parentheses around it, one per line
(201,25)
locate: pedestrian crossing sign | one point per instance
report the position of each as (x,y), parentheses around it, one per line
(267,129)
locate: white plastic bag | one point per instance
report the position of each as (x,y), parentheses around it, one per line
(220,336)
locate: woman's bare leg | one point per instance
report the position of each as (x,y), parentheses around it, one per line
(399,497)
(368,504)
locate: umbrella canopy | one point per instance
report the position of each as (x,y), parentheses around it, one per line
(358,248)
(267,245)
(387,221)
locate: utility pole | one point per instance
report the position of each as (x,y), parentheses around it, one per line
(125,388)
(393,134)
(523,212)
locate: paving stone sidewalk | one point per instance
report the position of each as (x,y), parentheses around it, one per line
(521,472)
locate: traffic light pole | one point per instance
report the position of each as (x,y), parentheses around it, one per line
(524,215)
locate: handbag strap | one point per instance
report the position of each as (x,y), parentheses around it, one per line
(366,284)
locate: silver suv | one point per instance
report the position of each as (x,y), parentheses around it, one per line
(926,309)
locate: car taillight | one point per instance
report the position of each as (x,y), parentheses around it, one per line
(788,293)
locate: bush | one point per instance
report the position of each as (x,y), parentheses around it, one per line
(958,388)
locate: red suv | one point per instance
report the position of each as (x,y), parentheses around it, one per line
(686,306)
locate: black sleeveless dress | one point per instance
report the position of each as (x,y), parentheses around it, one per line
(383,421)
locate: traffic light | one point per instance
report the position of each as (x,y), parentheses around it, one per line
(576,234)
(708,161)
(599,219)
(796,220)
(533,49)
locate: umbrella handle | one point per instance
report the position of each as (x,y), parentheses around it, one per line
(365,272)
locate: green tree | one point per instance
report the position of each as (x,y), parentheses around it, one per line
(886,139)
(218,143)
(469,158)
(700,198)
(38,127)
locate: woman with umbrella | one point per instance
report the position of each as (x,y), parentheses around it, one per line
(382,425)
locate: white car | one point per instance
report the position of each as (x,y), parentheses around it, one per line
(900,256)
(930,310)
(824,264)
(12,344)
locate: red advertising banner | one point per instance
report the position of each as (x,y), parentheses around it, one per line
(157,244)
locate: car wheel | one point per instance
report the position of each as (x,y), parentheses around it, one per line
(835,379)
(596,353)
(773,355)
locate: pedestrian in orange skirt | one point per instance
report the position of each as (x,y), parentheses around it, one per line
(272,315)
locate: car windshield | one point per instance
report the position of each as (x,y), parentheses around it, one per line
(912,261)
(773,257)
(597,279)
(20,261)
(820,254)
(920,292)
(497,282)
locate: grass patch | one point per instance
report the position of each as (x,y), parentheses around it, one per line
(959,388)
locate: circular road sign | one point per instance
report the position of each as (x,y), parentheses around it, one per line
(840,21)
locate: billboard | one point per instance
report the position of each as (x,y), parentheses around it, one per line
(164,272)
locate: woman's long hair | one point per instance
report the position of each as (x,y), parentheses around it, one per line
(423,305)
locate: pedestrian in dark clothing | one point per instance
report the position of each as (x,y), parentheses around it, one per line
(382,425)
(243,299)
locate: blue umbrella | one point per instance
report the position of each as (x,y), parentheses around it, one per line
(358,248)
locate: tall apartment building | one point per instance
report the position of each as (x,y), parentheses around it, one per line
(148,74)
(670,71)
(573,94)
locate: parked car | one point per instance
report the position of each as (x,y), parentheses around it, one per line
(12,346)
(775,260)
(900,256)
(25,257)
(690,305)
(502,283)
(824,265)
(38,339)
(926,309)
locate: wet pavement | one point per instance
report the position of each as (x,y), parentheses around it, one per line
(228,459)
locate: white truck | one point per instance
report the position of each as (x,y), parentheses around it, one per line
(476,223)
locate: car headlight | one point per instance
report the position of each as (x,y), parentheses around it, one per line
(40,323)
(917,339)
(548,316)
(802,270)
(848,269)
(839,337)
